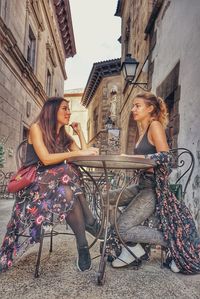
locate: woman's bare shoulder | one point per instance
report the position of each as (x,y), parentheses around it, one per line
(158,136)
(156,124)
(35,132)
(35,127)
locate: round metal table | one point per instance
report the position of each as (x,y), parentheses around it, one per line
(107,162)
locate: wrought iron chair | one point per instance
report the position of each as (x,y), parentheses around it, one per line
(182,159)
(20,159)
(183,166)
(4,179)
(47,229)
(20,155)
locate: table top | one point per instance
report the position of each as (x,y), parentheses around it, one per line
(113,161)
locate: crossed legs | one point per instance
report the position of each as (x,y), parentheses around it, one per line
(141,205)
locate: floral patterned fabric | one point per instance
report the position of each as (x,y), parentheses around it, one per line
(55,191)
(176,221)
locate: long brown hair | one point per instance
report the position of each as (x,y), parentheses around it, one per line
(47,121)
(159,112)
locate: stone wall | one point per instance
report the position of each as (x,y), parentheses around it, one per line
(168,40)
(105,103)
(78,112)
(101,102)
(13,113)
(177,31)
(22,87)
(135,14)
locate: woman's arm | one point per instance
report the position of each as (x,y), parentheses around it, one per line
(78,130)
(47,158)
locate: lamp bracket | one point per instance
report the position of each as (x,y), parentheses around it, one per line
(142,85)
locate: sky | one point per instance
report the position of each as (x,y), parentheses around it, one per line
(96,32)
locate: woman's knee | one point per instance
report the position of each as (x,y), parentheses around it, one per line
(145,203)
(138,210)
(125,196)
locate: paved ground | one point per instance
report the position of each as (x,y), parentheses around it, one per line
(60,279)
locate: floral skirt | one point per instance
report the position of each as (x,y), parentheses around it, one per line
(53,193)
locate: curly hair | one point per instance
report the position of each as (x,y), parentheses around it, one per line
(160,111)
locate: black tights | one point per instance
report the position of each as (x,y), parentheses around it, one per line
(78,217)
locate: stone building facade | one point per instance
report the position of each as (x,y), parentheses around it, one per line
(163,36)
(134,17)
(102,96)
(36,37)
(78,112)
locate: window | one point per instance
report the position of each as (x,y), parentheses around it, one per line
(173,126)
(95,120)
(88,127)
(3,9)
(170,91)
(132,135)
(48,86)
(31,48)
(127,36)
(25,133)
(28,109)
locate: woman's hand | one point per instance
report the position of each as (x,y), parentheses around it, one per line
(91,151)
(94,150)
(76,127)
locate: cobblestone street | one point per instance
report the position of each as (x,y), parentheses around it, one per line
(99,118)
(60,279)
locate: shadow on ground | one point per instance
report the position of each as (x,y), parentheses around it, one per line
(59,277)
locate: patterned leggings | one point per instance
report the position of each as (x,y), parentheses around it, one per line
(139,201)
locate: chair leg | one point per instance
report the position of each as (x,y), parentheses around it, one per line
(51,241)
(39,253)
(162,256)
(51,235)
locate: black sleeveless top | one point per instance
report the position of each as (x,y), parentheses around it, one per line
(31,156)
(145,147)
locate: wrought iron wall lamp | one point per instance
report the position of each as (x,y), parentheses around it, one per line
(128,68)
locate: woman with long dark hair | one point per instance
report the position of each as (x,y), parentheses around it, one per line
(177,231)
(57,188)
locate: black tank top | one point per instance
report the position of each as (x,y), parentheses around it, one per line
(145,147)
(31,156)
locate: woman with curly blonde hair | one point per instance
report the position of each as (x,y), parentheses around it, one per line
(152,196)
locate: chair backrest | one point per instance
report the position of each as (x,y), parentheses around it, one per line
(21,153)
(4,179)
(184,159)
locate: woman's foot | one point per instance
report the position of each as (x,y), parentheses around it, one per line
(126,258)
(93,229)
(170,263)
(84,259)
(173,267)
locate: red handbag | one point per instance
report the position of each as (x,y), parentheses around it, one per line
(24,177)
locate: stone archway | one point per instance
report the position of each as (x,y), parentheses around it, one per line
(131,135)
